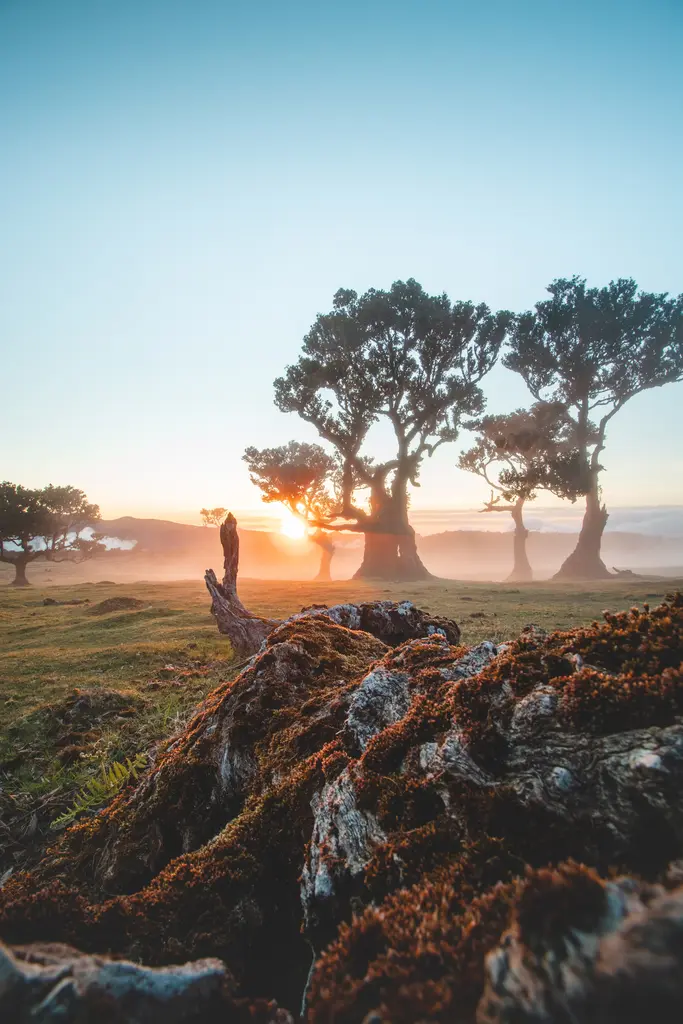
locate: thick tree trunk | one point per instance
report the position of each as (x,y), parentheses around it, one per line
(380,558)
(326,546)
(390,551)
(245,630)
(521,568)
(585,562)
(20,578)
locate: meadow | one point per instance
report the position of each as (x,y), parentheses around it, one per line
(90,683)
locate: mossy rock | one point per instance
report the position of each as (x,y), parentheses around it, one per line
(390,802)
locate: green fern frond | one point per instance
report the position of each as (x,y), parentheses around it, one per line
(103,787)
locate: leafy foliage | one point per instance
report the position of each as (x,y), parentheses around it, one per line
(399,355)
(590,350)
(213,516)
(520,452)
(45,523)
(112,778)
(300,476)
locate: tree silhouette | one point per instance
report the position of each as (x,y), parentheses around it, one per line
(405,358)
(44,523)
(306,480)
(591,350)
(511,453)
(213,516)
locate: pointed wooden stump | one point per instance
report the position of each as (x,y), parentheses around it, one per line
(245,630)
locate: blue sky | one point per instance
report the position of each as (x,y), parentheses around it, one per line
(184,185)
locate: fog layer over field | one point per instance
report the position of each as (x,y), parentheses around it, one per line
(456,545)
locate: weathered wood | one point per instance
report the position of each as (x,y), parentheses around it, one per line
(245,630)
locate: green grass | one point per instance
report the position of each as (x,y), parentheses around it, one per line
(165,656)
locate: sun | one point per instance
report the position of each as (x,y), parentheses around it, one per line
(291,526)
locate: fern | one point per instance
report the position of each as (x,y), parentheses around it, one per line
(102,788)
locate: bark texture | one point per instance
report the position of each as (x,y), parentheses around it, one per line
(401,805)
(390,550)
(521,568)
(585,562)
(245,630)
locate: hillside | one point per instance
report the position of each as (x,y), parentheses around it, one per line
(167,547)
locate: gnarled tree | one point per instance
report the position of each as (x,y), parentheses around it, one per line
(44,523)
(591,350)
(402,356)
(303,478)
(512,453)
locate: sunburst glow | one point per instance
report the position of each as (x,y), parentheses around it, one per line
(291,526)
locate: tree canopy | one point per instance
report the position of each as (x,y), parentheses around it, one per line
(213,516)
(402,356)
(44,523)
(307,481)
(511,449)
(412,358)
(300,476)
(590,350)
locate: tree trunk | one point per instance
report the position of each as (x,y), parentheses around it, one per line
(390,551)
(521,568)
(245,630)
(20,578)
(380,558)
(585,562)
(326,546)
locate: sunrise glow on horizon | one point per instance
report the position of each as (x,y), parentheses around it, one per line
(181,196)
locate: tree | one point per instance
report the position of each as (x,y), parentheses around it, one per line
(401,357)
(591,350)
(507,454)
(213,516)
(44,523)
(305,479)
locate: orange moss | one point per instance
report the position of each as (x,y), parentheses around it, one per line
(623,673)
(418,955)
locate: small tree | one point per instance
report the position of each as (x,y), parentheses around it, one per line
(44,523)
(507,454)
(305,479)
(400,356)
(213,516)
(591,350)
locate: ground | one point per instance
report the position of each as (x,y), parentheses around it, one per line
(84,685)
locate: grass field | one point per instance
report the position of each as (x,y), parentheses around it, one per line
(80,689)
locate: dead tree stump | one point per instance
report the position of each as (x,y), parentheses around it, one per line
(245,630)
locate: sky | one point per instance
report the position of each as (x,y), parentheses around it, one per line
(184,184)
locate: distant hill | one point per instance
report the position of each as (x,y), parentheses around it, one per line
(166,548)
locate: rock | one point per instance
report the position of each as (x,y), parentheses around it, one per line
(400,804)
(49,983)
(391,622)
(587,950)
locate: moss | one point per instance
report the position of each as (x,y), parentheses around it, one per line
(282,709)
(200,874)
(417,956)
(420,954)
(619,674)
